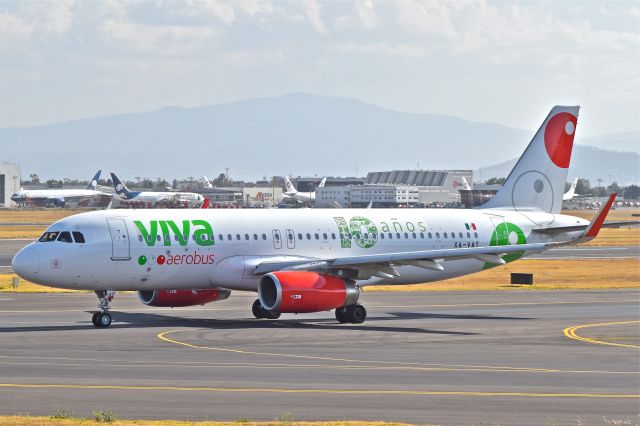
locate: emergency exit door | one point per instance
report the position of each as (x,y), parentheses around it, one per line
(120,247)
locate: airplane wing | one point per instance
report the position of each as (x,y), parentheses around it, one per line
(383,264)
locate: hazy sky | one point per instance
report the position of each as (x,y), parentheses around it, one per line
(505,62)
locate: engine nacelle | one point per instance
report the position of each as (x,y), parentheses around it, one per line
(178,298)
(300,292)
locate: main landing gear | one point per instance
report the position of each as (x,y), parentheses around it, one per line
(355,314)
(102,319)
(260,312)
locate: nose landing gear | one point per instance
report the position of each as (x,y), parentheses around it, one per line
(102,319)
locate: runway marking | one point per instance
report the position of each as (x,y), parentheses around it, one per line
(570,332)
(403,365)
(319,366)
(323,391)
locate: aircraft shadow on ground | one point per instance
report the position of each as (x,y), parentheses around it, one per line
(150,320)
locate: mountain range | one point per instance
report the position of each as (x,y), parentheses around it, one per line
(297,134)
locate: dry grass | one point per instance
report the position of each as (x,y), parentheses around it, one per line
(38,421)
(36,215)
(563,274)
(27,287)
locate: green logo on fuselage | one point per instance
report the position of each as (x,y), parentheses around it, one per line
(201,230)
(506,234)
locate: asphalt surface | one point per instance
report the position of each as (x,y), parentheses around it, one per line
(8,248)
(452,358)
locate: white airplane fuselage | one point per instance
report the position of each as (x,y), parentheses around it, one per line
(54,194)
(199,249)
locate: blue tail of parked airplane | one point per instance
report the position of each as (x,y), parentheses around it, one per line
(94,182)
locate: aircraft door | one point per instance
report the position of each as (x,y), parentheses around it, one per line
(291,239)
(277,239)
(120,248)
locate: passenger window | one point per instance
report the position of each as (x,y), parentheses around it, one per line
(333,236)
(299,236)
(264,237)
(149,238)
(414,235)
(203,237)
(390,236)
(308,236)
(79,238)
(445,235)
(437,235)
(220,237)
(324,236)
(341,236)
(382,236)
(65,237)
(158,237)
(290,236)
(317,236)
(406,235)
(48,236)
(276,236)
(238,237)
(460,235)
(246,237)
(140,238)
(349,235)
(365,236)
(422,235)
(468,234)
(229,237)
(475,234)
(167,237)
(398,235)
(255,237)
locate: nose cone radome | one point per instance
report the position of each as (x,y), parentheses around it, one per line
(26,263)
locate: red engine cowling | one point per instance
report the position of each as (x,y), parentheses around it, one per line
(178,298)
(300,292)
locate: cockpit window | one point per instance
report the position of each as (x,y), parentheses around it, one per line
(78,237)
(48,236)
(65,237)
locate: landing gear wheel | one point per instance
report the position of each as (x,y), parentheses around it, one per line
(104,319)
(356,314)
(257,309)
(270,315)
(341,315)
(94,319)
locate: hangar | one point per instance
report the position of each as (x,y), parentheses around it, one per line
(9,182)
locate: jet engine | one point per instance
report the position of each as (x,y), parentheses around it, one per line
(300,292)
(178,298)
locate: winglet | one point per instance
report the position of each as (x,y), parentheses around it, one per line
(596,223)
(205,204)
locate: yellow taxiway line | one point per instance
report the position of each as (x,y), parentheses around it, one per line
(570,332)
(320,391)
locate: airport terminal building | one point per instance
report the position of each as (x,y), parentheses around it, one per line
(398,188)
(9,182)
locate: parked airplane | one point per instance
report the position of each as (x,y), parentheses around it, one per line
(124,194)
(316,261)
(301,197)
(58,197)
(567,196)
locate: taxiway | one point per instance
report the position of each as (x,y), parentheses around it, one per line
(472,357)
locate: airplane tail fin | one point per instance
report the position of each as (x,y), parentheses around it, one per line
(205,204)
(94,182)
(322,182)
(121,188)
(206,183)
(538,178)
(290,188)
(571,192)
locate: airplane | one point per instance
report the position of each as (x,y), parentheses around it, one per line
(205,183)
(58,197)
(567,196)
(316,261)
(124,194)
(301,197)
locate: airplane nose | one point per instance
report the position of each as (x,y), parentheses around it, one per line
(26,263)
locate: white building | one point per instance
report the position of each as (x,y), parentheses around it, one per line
(362,195)
(9,183)
(261,196)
